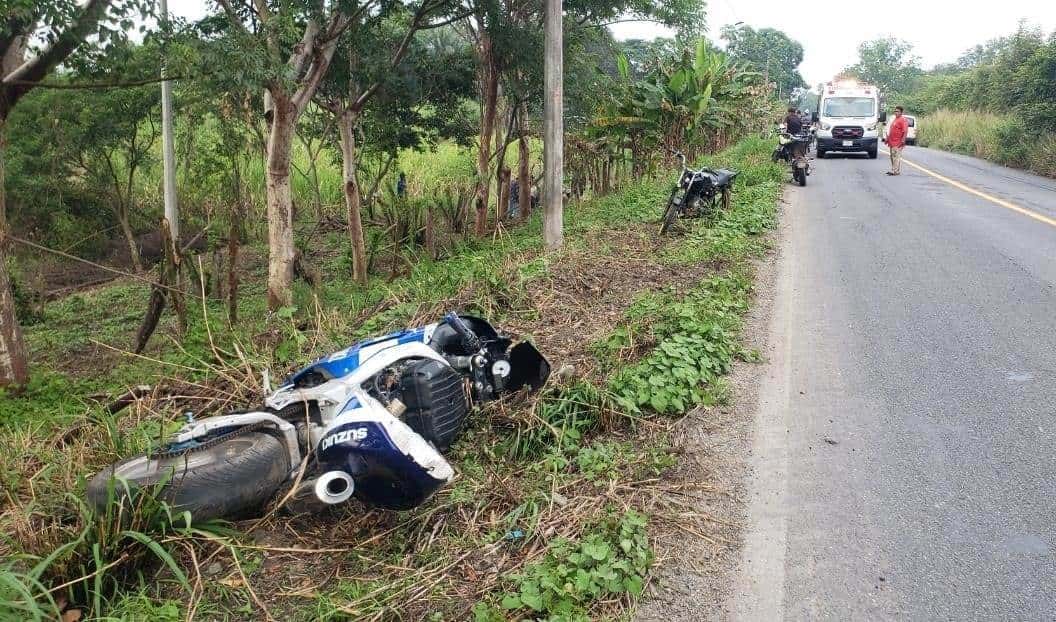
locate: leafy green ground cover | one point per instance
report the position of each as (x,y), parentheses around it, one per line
(556,505)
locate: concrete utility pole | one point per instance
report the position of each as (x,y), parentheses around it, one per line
(553,128)
(168,160)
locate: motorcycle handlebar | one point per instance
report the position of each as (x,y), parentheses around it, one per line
(678,154)
(468,336)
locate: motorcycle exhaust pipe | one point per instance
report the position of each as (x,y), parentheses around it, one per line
(334,487)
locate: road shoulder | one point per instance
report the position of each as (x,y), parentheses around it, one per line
(719,456)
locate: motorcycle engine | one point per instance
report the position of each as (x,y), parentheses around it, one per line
(436,401)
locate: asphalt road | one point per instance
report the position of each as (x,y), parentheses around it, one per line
(905,450)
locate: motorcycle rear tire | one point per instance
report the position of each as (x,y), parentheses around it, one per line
(234,478)
(801,177)
(670,213)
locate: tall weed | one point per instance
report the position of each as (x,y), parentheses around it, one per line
(1002,138)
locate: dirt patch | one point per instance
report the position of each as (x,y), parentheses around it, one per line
(587,293)
(695,575)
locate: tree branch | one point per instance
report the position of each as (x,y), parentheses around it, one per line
(98,85)
(323,53)
(587,18)
(397,56)
(352,18)
(15,34)
(232,16)
(305,49)
(34,70)
(456,18)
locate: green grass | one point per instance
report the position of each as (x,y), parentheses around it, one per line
(1004,139)
(532,477)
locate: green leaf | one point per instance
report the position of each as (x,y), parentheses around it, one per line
(160,553)
(634,585)
(623,66)
(533,601)
(677,83)
(598,550)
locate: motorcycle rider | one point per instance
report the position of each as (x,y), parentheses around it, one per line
(793,123)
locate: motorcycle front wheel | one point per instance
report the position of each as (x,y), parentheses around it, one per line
(232,476)
(671,212)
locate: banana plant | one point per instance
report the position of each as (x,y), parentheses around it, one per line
(682,103)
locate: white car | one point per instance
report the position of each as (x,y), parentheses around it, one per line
(911,133)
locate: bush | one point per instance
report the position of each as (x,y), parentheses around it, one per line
(1010,142)
(970,133)
(1005,139)
(1043,156)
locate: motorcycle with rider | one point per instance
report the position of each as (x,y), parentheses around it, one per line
(793,146)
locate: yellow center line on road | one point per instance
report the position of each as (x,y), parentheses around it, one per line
(996,201)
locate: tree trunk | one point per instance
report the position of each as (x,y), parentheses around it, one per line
(232,263)
(372,194)
(177,277)
(215,284)
(130,239)
(280,205)
(317,193)
(14,369)
(347,127)
(504,194)
(524,179)
(489,84)
(430,233)
(502,172)
(553,128)
(166,289)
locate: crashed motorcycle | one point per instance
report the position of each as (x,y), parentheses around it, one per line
(371,422)
(697,193)
(793,149)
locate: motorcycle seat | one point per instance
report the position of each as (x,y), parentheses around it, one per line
(722,177)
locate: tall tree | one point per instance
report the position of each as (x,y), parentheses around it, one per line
(771,52)
(889,63)
(290,46)
(64,25)
(370,54)
(111,133)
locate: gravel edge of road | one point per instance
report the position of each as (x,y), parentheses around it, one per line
(694,582)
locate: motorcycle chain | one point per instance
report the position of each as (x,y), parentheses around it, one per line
(213,442)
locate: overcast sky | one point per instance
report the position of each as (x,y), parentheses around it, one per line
(830,32)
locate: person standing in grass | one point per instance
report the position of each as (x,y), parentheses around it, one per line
(896,140)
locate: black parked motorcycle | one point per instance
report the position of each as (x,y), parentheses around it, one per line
(697,193)
(793,149)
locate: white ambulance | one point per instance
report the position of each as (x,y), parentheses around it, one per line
(849,118)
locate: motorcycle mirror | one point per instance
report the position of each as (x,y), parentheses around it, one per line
(528,367)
